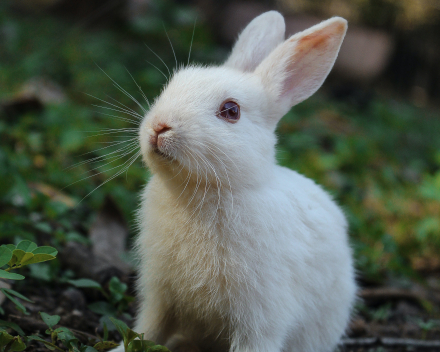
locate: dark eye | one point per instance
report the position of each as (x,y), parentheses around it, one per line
(230,111)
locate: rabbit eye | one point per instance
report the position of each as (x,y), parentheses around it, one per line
(230,111)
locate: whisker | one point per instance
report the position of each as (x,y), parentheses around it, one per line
(139,87)
(177,174)
(115,117)
(197,186)
(132,159)
(85,178)
(127,111)
(192,38)
(188,178)
(130,149)
(112,145)
(221,151)
(172,48)
(106,133)
(114,142)
(226,171)
(138,117)
(123,90)
(157,68)
(200,205)
(169,72)
(98,158)
(122,129)
(125,106)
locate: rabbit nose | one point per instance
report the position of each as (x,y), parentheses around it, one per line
(161,128)
(158,130)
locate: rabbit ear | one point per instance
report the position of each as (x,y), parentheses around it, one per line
(297,68)
(256,41)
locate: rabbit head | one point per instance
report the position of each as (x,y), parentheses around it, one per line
(218,122)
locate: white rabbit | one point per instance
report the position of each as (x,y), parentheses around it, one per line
(237,253)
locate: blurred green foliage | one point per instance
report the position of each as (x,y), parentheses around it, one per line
(381,163)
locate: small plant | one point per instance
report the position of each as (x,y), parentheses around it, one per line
(26,252)
(427,326)
(9,342)
(15,257)
(63,335)
(382,313)
(117,299)
(134,342)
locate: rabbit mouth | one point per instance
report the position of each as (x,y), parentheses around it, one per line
(162,154)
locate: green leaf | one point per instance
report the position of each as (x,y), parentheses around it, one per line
(105,345)
(38,258)
(5,338)
(121,327)
(50,320)
(15,293)
(128,335)
(117,288)
(105,319)
(45,250)
(27,246)
(37,338)
(27,256)
(5,255)
(102,308)
(17,303)
(140,345)
(41,271)
(49,345)
(84,283)
(12,326)
(17,255)
(90,349)
(77,237)
(131,335)
(65,335)
(105,332)
(10,246)
(11,276)
(17,345)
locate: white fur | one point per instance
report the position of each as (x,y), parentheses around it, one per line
(257,41)
(237,253)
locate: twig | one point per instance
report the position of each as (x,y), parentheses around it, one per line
(390,342)
(390,294)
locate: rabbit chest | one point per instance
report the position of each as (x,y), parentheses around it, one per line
(204,264)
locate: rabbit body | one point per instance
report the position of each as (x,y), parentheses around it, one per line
(237,253)
(275,275)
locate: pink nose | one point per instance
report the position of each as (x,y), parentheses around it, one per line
(158,129)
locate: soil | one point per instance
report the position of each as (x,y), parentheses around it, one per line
(387,319)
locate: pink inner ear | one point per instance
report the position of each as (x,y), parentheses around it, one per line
(320,39)
(311,61)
